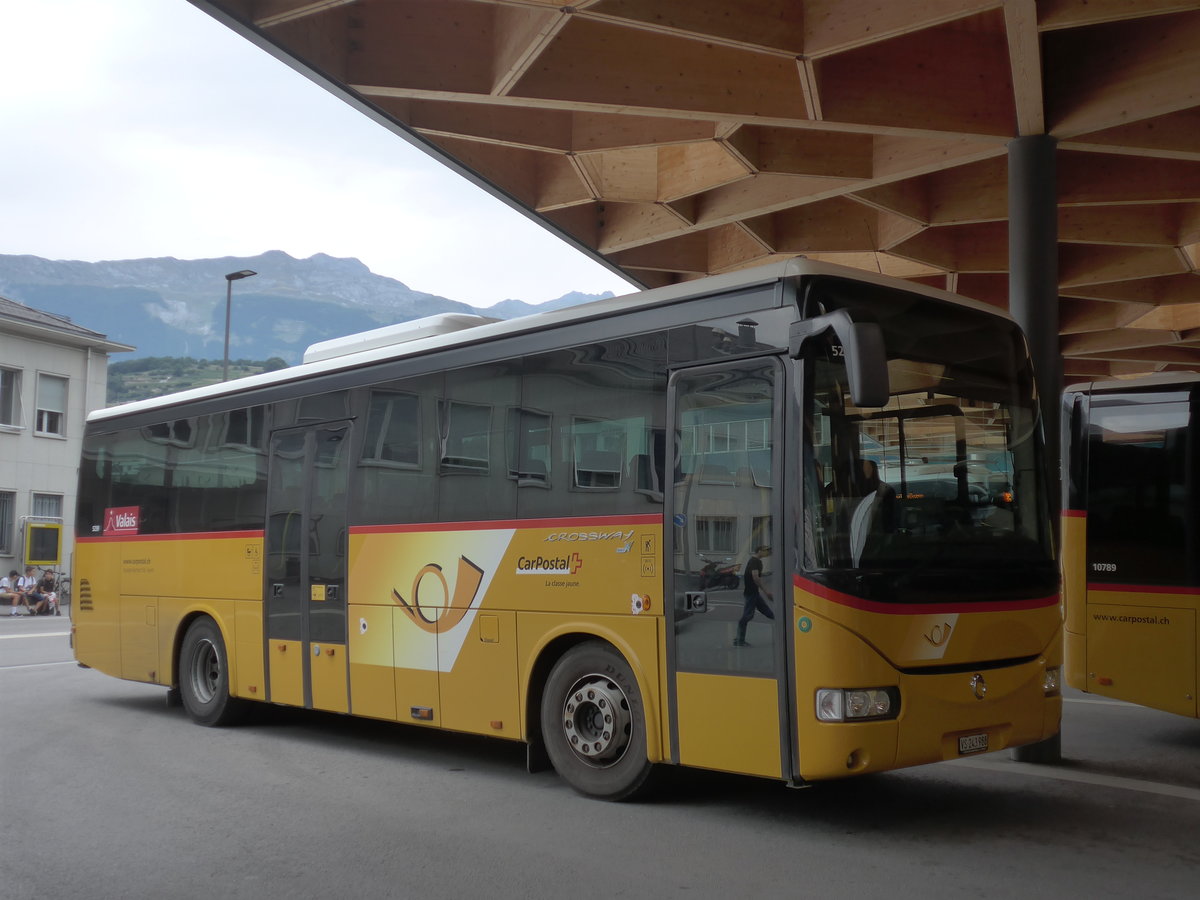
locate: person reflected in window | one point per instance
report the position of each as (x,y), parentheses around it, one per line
(753,590)
(871,484)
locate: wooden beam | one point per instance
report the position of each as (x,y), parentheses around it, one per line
(1134,226)
(989,287)
(754,25)
(1162,354)
(598,62)
(831,225)
(1184,317)
(733,247)
(972,193)
(627,176)
(1189,224)
(941,79)
(1097,342)
(891,229)
(403,45)
(980,247)
(518,170)
(686,253)
(626,225)
(883,263)
(520,35)
(582,222)
(1159,290)
(650,278)
(1105,178)
(603,131)
(1108,75)
(762,194)
(1054,14)
(1173,136)
(835,26)
(795,151)
(1081,316)
(909,199)
(1123,369)
(1080,264)
(1085,368)
(529,128)
(1025,60)
(561,182)
(907,157)
(688,169)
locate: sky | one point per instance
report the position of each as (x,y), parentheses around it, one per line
(145,128)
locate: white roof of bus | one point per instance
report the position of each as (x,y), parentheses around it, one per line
(1117,384)
(391,342)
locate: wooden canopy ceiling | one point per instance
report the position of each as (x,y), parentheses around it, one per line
(680,138)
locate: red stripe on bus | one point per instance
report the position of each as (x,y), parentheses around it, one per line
(1074,513)
(597,522)
(915,609)
(187,536)
(1142,588)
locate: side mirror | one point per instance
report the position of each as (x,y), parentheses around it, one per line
(862,348)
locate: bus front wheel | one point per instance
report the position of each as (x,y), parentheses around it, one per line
(204,676)
(593,723)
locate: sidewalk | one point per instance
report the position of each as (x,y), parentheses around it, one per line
(22,617)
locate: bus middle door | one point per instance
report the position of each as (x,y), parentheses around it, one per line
(305,583)
(726,647)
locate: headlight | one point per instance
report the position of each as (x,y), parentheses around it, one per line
(840,704)
(1052,681)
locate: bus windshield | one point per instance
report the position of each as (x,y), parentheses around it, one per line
(940,494)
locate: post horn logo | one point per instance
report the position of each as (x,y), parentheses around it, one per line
(938,634)
(447,610)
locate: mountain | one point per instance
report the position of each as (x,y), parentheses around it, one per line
(174,307)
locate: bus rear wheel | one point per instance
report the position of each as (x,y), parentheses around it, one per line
(593,723)
(204,676)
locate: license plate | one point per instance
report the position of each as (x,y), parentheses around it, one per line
(973,743)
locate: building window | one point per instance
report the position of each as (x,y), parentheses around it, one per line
(47,506)
(393,429)
(716,534)
(51,405)
(529,451)
(466,441)
(10,397)
(7,502)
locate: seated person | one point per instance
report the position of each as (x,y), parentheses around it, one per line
(27,584)
(43,599)
(10,591)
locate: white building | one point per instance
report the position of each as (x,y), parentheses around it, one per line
(52,374)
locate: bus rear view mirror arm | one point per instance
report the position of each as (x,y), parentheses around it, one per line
(862,348)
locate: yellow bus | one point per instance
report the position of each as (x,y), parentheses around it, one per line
(504,528)
(1130,533)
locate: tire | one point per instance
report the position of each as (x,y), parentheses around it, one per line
(204,677)
(594,725)
(1047,752)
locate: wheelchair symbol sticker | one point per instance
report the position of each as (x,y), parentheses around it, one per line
(804,624)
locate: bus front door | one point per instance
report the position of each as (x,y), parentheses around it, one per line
(726,627)
(305,583)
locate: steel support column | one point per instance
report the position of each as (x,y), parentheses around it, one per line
(1033,278)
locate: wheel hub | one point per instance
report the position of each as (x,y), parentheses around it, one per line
(596,719)
(206,671)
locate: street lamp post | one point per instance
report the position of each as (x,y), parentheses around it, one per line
(229,280)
